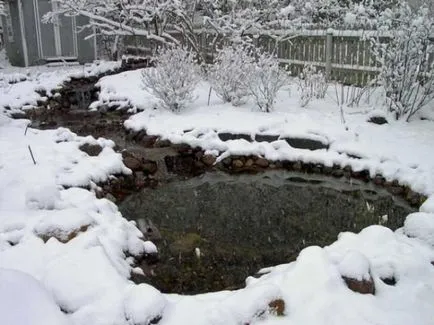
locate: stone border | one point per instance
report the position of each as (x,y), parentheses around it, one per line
(190,162)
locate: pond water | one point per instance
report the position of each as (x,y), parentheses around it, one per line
(215,230)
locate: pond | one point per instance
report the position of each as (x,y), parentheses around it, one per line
(215,230)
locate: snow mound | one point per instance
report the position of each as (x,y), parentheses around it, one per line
(79,247)
(355,266)
(428,205)
(144,304)
(123,91)
(43,197)
(420,225)
(24,301)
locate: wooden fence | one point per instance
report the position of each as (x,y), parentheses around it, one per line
(344,56)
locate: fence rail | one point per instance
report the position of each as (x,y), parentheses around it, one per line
(345,56)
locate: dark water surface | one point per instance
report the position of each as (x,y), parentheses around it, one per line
(239,224)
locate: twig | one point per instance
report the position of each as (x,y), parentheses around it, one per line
(31,154)
(209,95)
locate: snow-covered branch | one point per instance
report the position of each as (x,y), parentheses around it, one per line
(406,59)
(148,18)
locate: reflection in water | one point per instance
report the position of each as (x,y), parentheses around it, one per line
(215,230)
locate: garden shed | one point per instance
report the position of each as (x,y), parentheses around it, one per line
(29,41)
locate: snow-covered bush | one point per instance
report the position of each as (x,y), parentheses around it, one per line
(266,78)
(230,72)
(406,59)
(311,84)
(174,78)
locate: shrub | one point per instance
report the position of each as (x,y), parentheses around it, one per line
(266,78)
(229,73)
(406,59)
(311,84)
(174,78)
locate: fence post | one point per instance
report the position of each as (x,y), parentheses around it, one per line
(329,52)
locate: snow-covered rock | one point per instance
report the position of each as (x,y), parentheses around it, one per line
(355,266)
(420,225)
(25,301)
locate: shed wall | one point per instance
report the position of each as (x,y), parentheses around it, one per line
(13,47)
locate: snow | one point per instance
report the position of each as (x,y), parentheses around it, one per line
(116,91)
(420,225)
(355,266)
(200,124)
(143,304)
(26,81)
(76,247)
(428,205)
(73,243)
(24,301)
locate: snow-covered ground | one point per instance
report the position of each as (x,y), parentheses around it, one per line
(85,270)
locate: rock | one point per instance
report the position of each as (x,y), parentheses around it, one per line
(227,161)
(149,258)
(327,170)
(133,163)
(360,286)
(237,163)
(277,307)
(183,148)
(225,136)
(413,198)
(199,154)
(110,197)
(347,171)
(277,164)
(396,190)
(198,167)
(262,162)
(150,167)
(338,172)
(380,120)
(148,141)
(307,168)
(63,236)
(266,138)
(317,169)
(363,175)
(378,180)
(138,277)
(162,143)
(208,160)
(309,144)
(390,281)
(297,166)
(138,136)
(249,163)
(91,149)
